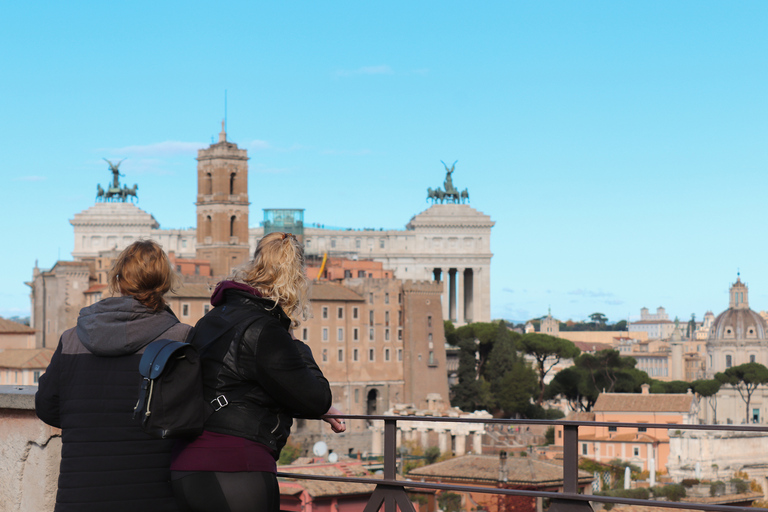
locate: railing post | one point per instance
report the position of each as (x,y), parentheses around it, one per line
(390,450)
(571,458)
(391,497)
(570,473)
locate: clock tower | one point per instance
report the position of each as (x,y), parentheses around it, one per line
(222,205)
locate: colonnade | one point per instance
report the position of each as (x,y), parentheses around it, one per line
(460,293)
(451,437)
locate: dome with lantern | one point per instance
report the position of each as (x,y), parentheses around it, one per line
(738,335)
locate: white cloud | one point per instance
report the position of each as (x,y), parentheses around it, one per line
(159,149)
(382,69)
(258,145)
(590,293)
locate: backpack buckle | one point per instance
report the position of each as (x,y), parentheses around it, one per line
(219,402)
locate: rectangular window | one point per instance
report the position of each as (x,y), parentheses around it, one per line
(361,273)
(325,334)
(371,354)
(340,334)
(386,354)
(642,429)
(325,311)
(386,318)
(399,354)
(429,321)
(357,395)
(36,376)
(400,295)
(636,451)
(341,355)
(399,318)
(370,334)
(400,334)
(325,355)
(304,334)
(206,308)
(354,313)
(340,312)
(185,310)
(381,243)
(355,334)
(347,274)
(370,298)
(386,298)
(584,449)
(611,429)
(370,317)
(386,334)
(354,355)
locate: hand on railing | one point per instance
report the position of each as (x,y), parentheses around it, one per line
(338,425)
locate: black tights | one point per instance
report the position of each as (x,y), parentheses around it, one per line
(209,491)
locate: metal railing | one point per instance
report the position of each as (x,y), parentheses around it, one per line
(390,492)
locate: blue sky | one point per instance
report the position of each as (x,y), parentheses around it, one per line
(619,146)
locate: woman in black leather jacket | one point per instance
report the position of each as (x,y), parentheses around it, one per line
(258,377)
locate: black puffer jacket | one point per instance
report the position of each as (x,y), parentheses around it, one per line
(246,347)
(89,391)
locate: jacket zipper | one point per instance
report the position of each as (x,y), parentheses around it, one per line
(276,426)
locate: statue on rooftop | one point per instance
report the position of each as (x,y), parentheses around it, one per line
(115,192)
(449,193)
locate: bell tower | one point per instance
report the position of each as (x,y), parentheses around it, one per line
(222,205)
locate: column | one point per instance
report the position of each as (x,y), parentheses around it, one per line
(460,313)
(461,444)
(425,442)
(442,441)
(452,294)
(376,443)
(469,295)
(477,443)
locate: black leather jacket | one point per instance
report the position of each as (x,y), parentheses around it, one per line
(249,355)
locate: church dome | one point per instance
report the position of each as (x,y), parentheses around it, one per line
(738,322)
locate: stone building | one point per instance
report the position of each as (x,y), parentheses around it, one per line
(658,325)
(379,342)
(222,205)
(449,242)
(738,335)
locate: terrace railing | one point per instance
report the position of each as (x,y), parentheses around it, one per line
(390,492)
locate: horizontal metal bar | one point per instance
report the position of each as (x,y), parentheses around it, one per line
(670,426)
(520,492)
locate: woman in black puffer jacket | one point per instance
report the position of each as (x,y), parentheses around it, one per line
(259,376)
(90,388)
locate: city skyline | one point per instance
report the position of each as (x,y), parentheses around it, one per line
(620,149)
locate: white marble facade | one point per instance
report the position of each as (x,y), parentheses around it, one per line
(450,243)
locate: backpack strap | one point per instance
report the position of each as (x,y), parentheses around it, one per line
(151,366)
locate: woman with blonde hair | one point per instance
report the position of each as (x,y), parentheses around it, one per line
(258,377)
(90,387)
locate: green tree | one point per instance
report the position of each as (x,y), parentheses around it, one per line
(745,378)
(547,352)
(449,501)
(621,325)
(708,389)
(598,319)
(289,453)
(591,374)
(492,375)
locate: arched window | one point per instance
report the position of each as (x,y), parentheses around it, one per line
(728,361)
(232,226)
(208,185)
(232,183)
(208,228)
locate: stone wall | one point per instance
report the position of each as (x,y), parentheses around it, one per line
(30,452)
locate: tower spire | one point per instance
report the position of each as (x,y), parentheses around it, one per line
(223,134)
